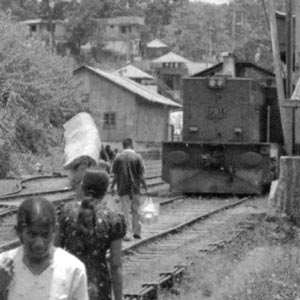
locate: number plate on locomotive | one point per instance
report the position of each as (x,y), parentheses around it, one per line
(216,112)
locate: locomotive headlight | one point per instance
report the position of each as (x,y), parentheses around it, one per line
(216,83)
(221,82)
(212,83)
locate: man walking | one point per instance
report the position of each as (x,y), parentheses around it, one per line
(128,169)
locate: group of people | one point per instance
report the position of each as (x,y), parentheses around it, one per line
(107,156)
(63,252)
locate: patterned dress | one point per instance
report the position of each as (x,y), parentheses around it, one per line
(91,248)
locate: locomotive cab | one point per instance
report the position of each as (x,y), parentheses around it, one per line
(226,138)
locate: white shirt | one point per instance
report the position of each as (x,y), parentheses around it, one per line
(64,279)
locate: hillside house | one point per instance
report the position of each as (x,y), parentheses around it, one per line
(156,48)
(123,108)
(40,29)
(122,34)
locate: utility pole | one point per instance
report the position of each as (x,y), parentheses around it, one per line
(210,41)
(47,16)
(285,115)
(297,38)
(233,29)
(289,47)
(128,52)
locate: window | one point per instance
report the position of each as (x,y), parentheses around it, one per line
(125,29)
(33,28)
(109,121)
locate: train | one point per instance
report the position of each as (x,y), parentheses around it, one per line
(232,135)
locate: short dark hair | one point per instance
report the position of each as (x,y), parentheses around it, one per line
(127,143)
(95,183)
(36,210)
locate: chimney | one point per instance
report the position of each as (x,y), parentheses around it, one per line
(228,64)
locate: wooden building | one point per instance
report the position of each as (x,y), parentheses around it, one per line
(41,29)
(123,108)
(122,34)
(156,48)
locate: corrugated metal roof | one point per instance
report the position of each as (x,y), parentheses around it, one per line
(134,87)
(131,71)
(171,57)
(156,44)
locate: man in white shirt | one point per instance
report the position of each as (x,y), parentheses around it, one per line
(37,270)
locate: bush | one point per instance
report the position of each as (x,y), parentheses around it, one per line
(29,136)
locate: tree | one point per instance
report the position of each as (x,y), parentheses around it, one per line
(20,9)
(196,30)
(42,91)
(158,13)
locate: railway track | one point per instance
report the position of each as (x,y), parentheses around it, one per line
(43,186)
(155,258)
(51,185)
(178,225)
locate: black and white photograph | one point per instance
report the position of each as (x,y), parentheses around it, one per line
(150,150)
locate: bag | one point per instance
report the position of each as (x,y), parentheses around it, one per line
(149,211)
(82,141)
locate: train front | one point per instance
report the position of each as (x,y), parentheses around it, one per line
(225,128)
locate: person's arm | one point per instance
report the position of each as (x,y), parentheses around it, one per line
(116,268)
(113,183)
(144,184)
(79,289)
(6,274)
(142,178)
(115,177)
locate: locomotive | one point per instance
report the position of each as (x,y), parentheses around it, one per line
(232,135)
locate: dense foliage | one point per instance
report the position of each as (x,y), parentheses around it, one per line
(37,91)
(42,93)
(194,29)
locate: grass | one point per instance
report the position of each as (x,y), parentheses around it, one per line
(25,163)
(262,264)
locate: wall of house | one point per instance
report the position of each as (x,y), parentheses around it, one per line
(152,121)
(104,97)
(60,31)
(146,123)
(122,46)
(117,46)
(122,31)
(42,31)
